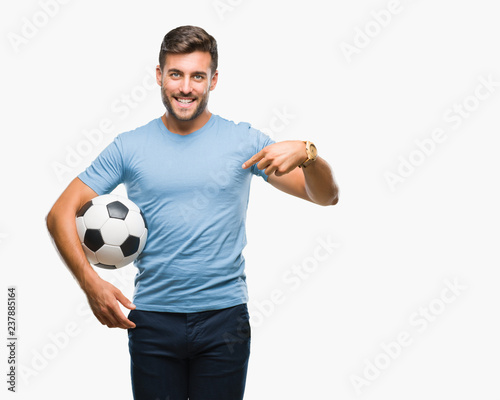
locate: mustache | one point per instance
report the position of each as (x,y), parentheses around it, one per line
(180,94)
(185,96)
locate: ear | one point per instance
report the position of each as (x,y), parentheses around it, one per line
(215,78)
(158,75)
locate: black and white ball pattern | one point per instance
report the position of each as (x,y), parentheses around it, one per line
(112,231)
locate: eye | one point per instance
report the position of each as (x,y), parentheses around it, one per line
(198,77)
(174,75)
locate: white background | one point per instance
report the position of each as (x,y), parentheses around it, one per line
(395,246)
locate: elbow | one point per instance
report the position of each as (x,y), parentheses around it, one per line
(50,221)
(333,195)
(333,198)
(331,201)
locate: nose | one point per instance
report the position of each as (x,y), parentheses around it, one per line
(186,86)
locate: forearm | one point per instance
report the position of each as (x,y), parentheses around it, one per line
(320,184)
(103,297)
(62,227)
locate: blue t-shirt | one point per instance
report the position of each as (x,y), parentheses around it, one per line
(194,196)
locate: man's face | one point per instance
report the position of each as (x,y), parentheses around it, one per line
(186,81)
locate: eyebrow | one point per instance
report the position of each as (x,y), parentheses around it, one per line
(180,72)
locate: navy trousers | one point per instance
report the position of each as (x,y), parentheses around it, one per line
(195,356)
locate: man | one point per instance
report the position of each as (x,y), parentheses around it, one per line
(189,172)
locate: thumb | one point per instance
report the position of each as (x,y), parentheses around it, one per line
(126,302)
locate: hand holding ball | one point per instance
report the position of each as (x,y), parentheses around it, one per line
(112,231)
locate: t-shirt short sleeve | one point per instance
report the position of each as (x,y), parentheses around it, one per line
(261,140)
(106,172)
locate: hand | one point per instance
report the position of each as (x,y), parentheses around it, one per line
(279,158)
(103,299)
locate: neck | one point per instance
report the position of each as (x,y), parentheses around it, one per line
(175,125)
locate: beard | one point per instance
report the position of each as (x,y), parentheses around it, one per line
(202,105)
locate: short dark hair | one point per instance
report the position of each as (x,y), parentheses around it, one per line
(188,39)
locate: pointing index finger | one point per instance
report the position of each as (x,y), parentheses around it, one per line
(252,160)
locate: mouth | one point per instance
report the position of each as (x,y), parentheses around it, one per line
(184,102)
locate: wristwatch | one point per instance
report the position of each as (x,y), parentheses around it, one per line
(312,154)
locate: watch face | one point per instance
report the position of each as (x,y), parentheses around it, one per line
(313,150)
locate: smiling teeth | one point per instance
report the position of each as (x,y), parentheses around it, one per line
(185,101)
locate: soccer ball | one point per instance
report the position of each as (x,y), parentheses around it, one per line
(112,231)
